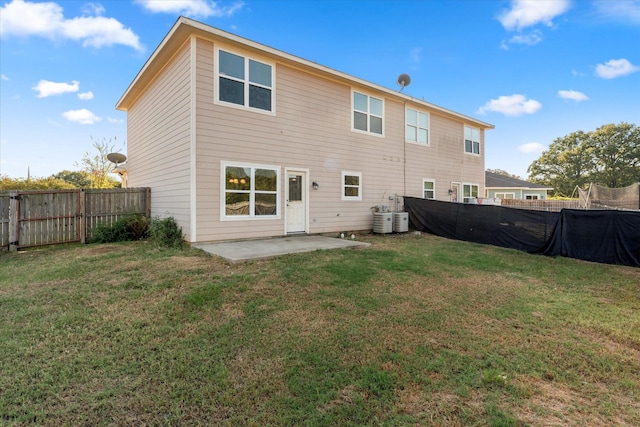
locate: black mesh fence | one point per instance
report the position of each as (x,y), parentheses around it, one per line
(611,237)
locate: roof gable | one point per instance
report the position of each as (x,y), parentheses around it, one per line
(495,180)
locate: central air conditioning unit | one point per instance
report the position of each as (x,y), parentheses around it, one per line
(383,222)
(401,222)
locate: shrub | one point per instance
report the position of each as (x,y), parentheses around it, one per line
(127,228)
(166,232)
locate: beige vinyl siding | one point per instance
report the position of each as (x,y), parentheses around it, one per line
(158,140)
(444,159)
(311,130)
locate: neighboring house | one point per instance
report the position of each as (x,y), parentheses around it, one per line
(239,140)
(505,187)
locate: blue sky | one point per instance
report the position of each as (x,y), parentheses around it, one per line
(537,69)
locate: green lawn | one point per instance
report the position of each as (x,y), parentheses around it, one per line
(414,330)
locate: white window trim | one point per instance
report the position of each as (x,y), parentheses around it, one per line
(433,181)
(497,195)
(464,139)
(342,186)
(251,217)
(417,128)
(216,83)
(353,109)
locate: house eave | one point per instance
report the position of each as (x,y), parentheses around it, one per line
(184,28)
(520,188)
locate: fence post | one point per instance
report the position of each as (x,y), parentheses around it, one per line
(148,202)
(13,221)
(82,217)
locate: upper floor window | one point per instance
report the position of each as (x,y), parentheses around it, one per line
(428,189)
(351,186)
(367,113)
(471,140)
(417,127)
(245,82)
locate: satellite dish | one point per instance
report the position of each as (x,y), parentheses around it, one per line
(404,80)
(116,158)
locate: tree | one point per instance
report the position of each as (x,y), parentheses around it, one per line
(80,179)
(98,166)
(49,183)
(503,172)
(617,153)
(608,156)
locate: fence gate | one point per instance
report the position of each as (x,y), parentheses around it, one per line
(44,218)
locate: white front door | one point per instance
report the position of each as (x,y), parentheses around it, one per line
(296,201)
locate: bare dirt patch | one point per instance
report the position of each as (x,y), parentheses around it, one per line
(555,404)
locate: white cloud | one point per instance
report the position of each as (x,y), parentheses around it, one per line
(83,116)
(112,120)
(85,96)
(47,20)
(192,8)
(531,147)
(527,13)
(512,105)
(529,39)
(415,54)
(620,10)
(4,77)
(46,88)
(615,68)
(572,95)
(93,9)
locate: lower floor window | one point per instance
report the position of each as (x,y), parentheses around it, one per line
(531,197)
(351,186)
(469,191)
(505,196)
(428,189)
(250,191)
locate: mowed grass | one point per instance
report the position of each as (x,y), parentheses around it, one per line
(414,330)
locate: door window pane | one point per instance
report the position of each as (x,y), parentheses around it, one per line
(295,188)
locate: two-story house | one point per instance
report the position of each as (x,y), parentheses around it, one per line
(239,140)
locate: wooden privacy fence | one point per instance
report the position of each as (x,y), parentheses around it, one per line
(542,205)
(40,218)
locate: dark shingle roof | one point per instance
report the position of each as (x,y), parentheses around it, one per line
(494,180)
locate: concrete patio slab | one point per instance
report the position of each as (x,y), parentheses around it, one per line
(245,250)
